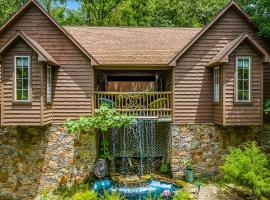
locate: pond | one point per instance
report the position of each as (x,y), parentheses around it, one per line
(152,188)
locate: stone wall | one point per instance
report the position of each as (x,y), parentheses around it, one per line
(38,158)
(207,145)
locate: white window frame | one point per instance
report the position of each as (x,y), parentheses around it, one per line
(15,78)
(49,84)
(216,98)
(249,78)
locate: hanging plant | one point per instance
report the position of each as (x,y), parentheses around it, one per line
(103,120)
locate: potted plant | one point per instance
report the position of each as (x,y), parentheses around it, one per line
(188,171)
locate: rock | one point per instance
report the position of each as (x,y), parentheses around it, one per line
(53,164)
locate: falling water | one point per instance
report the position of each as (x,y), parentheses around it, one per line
(136,142)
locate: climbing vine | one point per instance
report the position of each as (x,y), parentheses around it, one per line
(103,120)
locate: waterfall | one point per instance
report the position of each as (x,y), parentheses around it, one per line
(133,148)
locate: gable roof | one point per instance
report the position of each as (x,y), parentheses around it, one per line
(223,55)
(43,55)
(230,5)
(29,3)
(132,46)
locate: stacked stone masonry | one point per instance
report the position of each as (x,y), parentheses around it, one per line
(207,145)
(39,158)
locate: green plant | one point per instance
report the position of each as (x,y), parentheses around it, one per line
(247,166)
(164,168)
(50,196)
(188,163)
(105,149)
(86,195)
(112,196)
(267,106)
(67,192)
(182,195)
(103,120)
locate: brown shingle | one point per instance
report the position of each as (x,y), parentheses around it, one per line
(136,46)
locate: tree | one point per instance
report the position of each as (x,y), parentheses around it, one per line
(259,10)
(8,7)
(134,13)
(98,12)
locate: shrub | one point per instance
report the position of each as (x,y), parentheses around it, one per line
(86,195)
(247,166)
(182,195)
(113,196)
(67,192)
(50,196)
(164,168)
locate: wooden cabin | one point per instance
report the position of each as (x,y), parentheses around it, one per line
(49,73)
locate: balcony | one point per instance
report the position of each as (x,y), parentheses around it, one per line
(138,104)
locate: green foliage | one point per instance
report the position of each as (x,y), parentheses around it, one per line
(112,196)
(144,12)
(50,196)
(103,120)
(105,150)
(248,167)
(75,192)
(86,195)
(182,195)
(259,10)
(164,168)
(188,163)
(267,106)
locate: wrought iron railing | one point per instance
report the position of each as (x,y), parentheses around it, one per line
(140,104)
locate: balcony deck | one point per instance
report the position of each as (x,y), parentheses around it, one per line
(138,104)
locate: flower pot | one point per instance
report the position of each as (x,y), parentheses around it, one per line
(189,175)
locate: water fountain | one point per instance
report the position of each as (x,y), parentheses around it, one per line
(136,142)
(134,151)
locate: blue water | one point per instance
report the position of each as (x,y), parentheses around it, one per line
(151,188)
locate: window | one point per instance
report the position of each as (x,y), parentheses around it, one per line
(216,84)
(22,78)
(49,84)
(243,67)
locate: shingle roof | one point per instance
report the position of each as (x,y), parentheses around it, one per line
(132,46)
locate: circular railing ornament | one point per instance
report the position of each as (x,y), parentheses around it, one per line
(100,168)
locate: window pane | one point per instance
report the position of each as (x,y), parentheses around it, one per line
(246,73)
(19,84)
(240,95)
(25,62)
(25,72)
(216,84)
(240,73)
(19,94)
(49,84)
(25,83)
(246,96)
(18,72)
(25,95)
(22,79)
(243,67)
(240,63)
(246,85)
(19,62)
(240,85)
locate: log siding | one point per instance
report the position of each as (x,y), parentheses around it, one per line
(193,101)
(72,81)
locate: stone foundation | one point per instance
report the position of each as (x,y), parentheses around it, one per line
(38,158)
(208,144)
